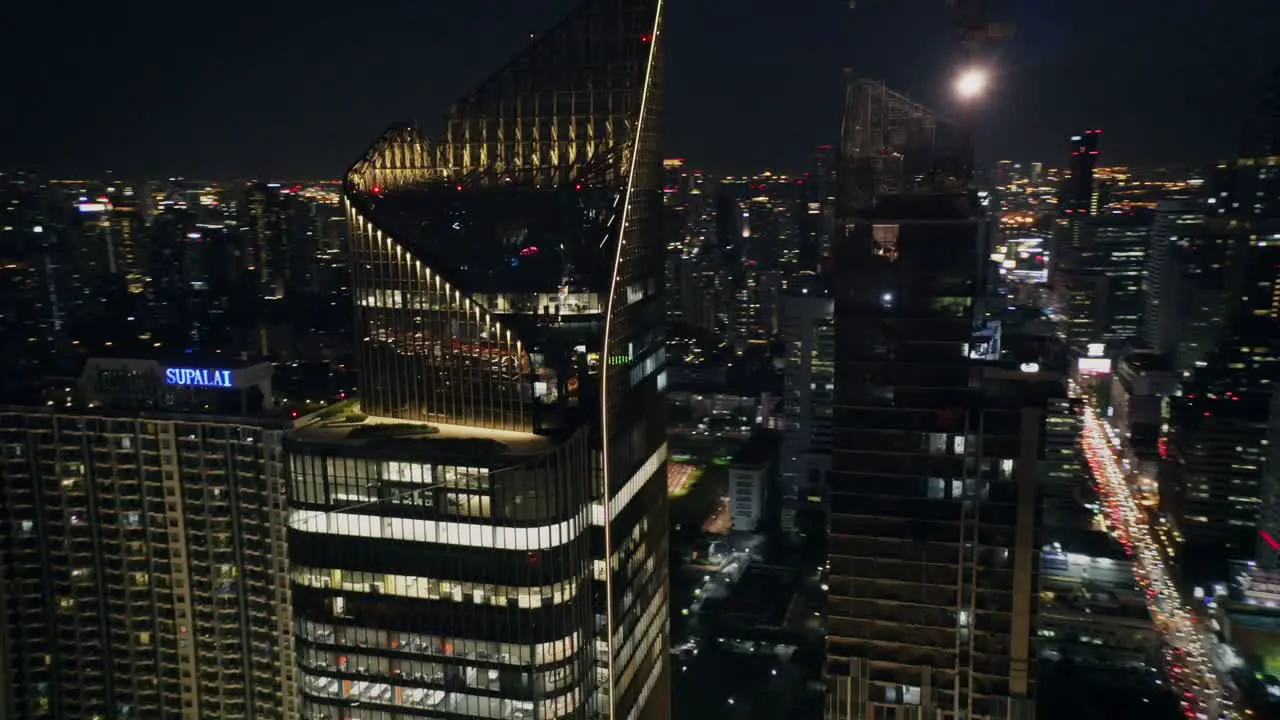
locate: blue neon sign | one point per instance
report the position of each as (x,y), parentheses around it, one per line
(197,377)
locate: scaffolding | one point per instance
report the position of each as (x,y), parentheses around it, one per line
(885,134)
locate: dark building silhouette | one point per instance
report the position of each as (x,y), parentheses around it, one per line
(1078,193)
(1262,129)
(935,459)
(935,443)
(1216,478)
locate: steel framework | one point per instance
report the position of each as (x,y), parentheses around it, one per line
(886,136)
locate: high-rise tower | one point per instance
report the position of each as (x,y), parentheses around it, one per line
(144,547)
(1078,194)
(487,536)
(935,452)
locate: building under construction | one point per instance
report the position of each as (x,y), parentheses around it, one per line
(935,443)
(892,144)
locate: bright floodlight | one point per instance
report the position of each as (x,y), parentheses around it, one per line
(971,83)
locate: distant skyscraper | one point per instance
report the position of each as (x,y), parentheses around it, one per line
(492,542)
(1004,173)
(264,229)
(1079,196)
(1097,261)
(822,199)
(143,556)
(124,233)
(1107,303)
(36,279)
(808,334)
(1189,278)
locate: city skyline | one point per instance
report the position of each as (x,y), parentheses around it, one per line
(655,360)
(244,94)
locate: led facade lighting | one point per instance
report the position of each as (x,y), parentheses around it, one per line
(487,537)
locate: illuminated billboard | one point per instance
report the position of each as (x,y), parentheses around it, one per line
(197,377)
(1094,366)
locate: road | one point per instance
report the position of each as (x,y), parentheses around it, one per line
(1190,669)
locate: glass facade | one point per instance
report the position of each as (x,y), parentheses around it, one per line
(508,560)
(932,488)
(145,569)
(459,584)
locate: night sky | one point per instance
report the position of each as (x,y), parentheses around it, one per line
(299,89)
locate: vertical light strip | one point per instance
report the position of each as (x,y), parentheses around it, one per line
(608,322)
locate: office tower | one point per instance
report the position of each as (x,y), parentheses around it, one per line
(264,227)
(126,231)
(487,536)
(1174,217)
(932,488)
(808,336)
(822,199)
(692,260)
(751,475)
(1219,424)
(675,207)
(1216,456)
(699,273)
(1071,290)
(1191,268)
(1117,252)
(1217,444)
(1142,383)
(768,234)
(143,553)
(935,456)
(33,291)
(1100,276)
(1064,476)
(1079,193)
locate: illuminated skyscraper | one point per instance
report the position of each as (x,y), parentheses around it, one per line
(143,549)
(488,536)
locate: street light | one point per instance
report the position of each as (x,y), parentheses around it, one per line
(971,83)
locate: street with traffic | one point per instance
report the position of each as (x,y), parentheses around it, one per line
(1191,671)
